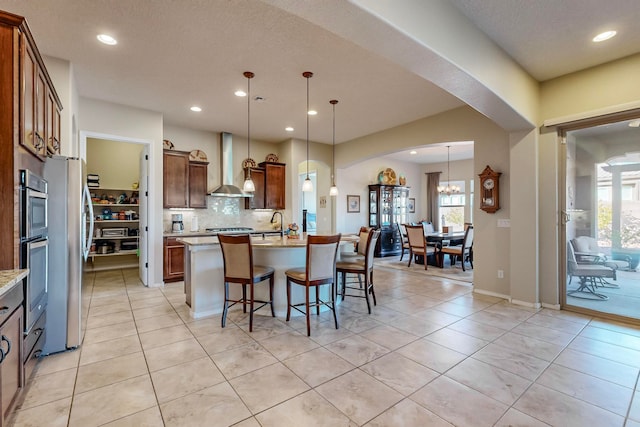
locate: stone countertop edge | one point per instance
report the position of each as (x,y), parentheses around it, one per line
(10,278)
(257,243)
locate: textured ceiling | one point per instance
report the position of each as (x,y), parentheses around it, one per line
(174,54)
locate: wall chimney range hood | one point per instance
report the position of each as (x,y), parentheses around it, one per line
(227,189)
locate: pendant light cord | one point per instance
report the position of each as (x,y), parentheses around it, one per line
(307,76)
(333,144)
(249,75)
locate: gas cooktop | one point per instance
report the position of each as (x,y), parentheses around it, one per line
(227,229)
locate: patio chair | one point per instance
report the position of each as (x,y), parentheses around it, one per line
(588,274)
(587,251)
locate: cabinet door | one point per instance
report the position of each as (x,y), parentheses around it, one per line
(52,134)
(176,179)
(257,201)
(29,140)
(173,260)
(197,185)
(41,112)
(274,186)
(11,366)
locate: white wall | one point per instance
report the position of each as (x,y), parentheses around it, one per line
(103,118)
(61,73)
(355,180)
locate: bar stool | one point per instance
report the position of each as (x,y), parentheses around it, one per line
(237,256)
(320,270)
(362,267)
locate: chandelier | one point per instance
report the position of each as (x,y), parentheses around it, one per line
(449,188)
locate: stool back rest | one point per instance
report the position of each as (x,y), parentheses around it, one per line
(416,236)
(362,242)
(321,257)
(237,255)
(371,248)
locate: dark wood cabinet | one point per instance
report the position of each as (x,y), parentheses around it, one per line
(185,181)
(197,185)
(53,125)
(274,185)
(176,179)
(11,369)
(387,208)
(269,179)
(173,260)
(257,201)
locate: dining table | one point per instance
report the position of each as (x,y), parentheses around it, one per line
(453,238)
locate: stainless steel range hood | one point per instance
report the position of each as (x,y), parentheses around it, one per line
(227,189)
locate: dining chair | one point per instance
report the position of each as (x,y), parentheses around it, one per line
(418,244)
(237,255)
(402,232)
(360,268)
(320,269)
(463,251)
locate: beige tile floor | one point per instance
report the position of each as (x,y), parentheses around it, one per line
(431,354)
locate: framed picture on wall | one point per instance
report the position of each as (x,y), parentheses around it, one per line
(411,205)
(353,203)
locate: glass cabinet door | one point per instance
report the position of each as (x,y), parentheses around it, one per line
(373,208)
(386,207)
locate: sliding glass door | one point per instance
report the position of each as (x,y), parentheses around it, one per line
(602,218)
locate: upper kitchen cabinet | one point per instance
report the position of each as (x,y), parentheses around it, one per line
(40,105)
(274,184)
(269,179)
(185,181)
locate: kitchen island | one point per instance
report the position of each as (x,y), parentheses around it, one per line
(204,272)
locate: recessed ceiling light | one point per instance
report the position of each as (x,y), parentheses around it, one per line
(196,109)
(604,36)
(107,39)
(412,152)
(312,112)
(240,93)
(289,129)
(634,124)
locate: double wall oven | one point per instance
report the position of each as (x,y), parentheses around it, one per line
(34,245)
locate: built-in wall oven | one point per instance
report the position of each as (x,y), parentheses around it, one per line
(34,244)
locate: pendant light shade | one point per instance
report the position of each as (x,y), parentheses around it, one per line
(249,186)
(307,186)
(449,188)
(333,191)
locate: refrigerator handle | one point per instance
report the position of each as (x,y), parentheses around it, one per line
(88,239)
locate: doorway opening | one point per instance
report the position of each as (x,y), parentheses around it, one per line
(117,175)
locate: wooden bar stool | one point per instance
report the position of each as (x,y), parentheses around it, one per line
(363,267)
(237,255)
(320,270)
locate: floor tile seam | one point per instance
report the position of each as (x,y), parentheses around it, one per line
(106,314)
(596,354)
(368,361)
(594,405)
(110,324)
(609,342)
(567,318)
(564,346)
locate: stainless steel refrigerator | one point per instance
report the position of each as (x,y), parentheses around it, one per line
(70,223)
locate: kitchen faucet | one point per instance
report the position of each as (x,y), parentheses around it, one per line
(281,222)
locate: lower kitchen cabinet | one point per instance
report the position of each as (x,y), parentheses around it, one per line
(173,260)
(11,369)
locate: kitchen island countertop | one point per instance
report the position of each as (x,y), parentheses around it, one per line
(10,278)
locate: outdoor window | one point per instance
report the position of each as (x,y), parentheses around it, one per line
(452,207)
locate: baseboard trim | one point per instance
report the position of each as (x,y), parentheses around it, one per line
(491,294)
(535,305)
(551,306)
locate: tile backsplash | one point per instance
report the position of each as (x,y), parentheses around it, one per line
(223,212)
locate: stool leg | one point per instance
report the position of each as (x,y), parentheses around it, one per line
(306,303)
(288,299)
(251,307)
(226,299)
(271,280)
(372,291)
(366,291)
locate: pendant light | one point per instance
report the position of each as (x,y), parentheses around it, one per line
(333,191)
(307,186)
(249,186)
(449,188)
